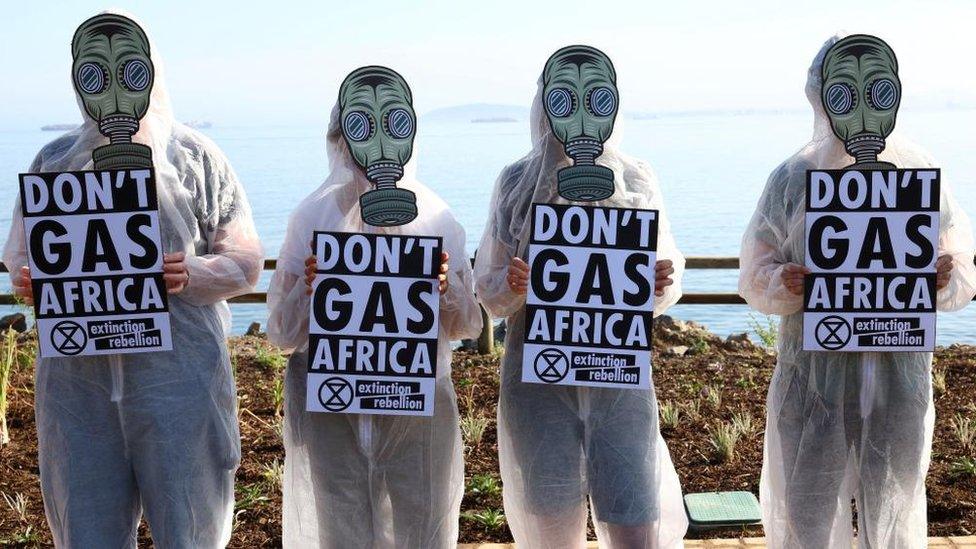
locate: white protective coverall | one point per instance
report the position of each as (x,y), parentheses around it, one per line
(559,445)
(153,432)
(842,425)
(357,480)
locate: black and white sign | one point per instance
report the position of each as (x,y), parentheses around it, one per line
(96,262)
(373,324)
(872,240)
(590,302)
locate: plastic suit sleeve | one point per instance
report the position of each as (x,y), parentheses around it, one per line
(956,240)
(288,302)
(233,260)
(15,249)
(491,271)
(761,264)
(460,316)
(667,248)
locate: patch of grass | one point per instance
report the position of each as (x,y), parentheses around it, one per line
(766,329)
(963,467)
(670,415)
(693,408)
(272,474)
(490,519)
(278,394)
(699,347)
(713,395)
(484,485)
(746,382)
(17,504)
(473,429)
(964,430)
(28,538)
(938,381)
(8,358)
(272,360)
(743,423)
(723,437)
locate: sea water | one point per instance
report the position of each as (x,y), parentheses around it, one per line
(712,169)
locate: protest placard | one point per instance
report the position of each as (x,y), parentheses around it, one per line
(872,240)
(590,302)
(96,261)
(373,324)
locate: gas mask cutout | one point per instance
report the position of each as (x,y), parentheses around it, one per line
(113,74)
(379,124)
(861,93)
(580,98)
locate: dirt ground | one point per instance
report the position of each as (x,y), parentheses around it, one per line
(714,384)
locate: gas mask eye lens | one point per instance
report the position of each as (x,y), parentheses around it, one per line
(882,94)
(601,101)
(357,126)
(559,102)
(399,123)
(839,99)
(92,78)
(135,75)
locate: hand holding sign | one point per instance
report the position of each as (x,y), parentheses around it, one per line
(309,274)
(442,277)
(518,276)
(175,273)
(23,288)
(663,270)
(792,276)
(943,271)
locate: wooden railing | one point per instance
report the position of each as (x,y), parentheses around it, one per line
(486,340)
(705,262)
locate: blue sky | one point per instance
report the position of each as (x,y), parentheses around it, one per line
(245,66)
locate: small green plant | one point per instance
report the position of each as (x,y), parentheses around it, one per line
(694,409)
(747,382)
(713,395)
(278,393)
(766,329)
(724,437)
(250,496)
(464,383)
(272,474)
(964,429)
(28,538)
(963,467)
(17,504)
(473,428)
(8,357)
(670,415)
(490,519)
(938,381)
(484,485)
(272,360)
(743,424)
(699,347)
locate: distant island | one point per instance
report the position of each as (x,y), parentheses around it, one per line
(58,127)
(493,120)
(477,113)
(195,124)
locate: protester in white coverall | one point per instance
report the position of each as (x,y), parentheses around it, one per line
(843,425)
(356,480)
(119,435)
(559,445)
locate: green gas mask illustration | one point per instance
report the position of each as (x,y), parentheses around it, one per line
(113,74)
(861,92)
(580,97)
(379,124)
